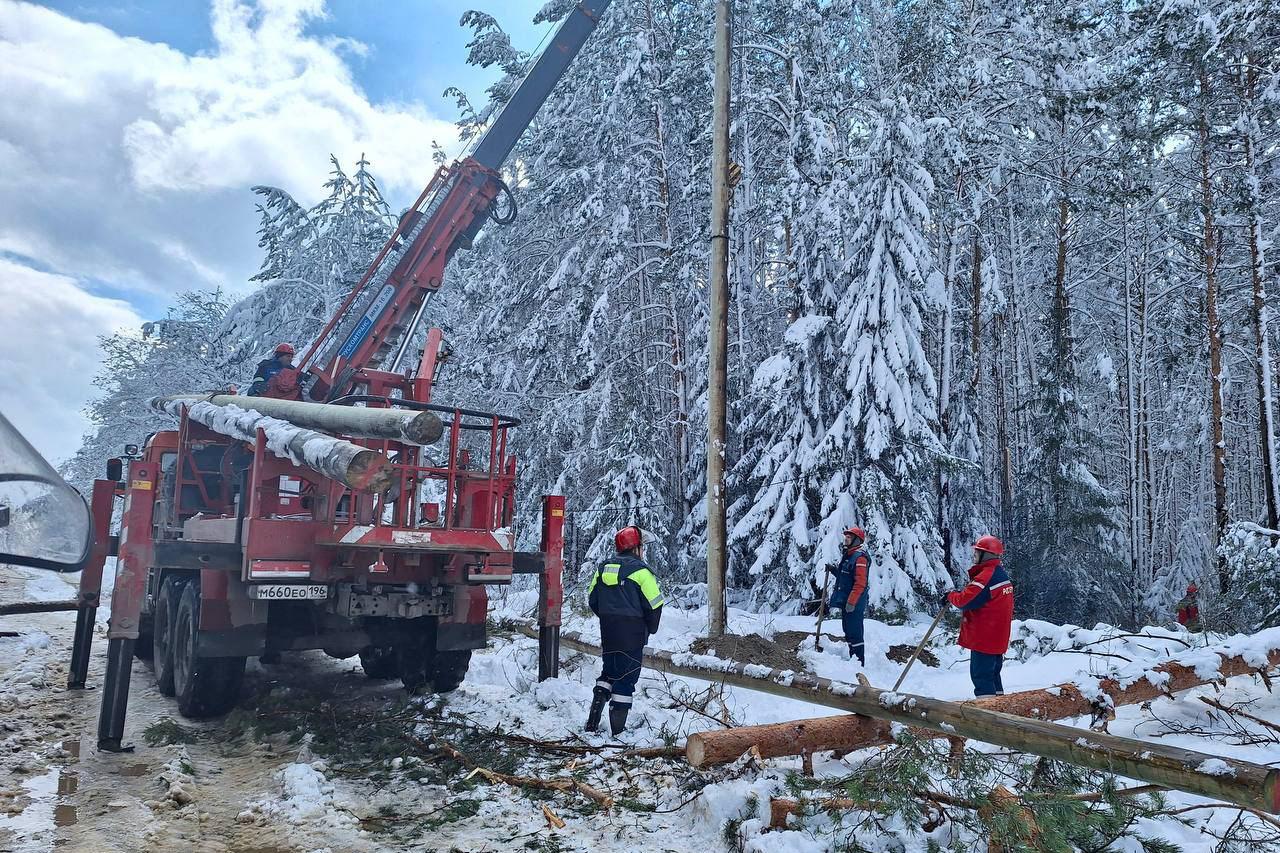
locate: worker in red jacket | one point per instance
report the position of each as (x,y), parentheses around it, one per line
(849,600)
(987,620)
(1189,609)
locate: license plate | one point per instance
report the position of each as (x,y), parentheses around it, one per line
(289,591)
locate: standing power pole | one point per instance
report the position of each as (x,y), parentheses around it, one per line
(718,349)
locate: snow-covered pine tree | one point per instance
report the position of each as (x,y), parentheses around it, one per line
(313,257)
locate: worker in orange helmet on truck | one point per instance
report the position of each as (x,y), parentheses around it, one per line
(277,377)
(987,619)
(849,600)
(624,594)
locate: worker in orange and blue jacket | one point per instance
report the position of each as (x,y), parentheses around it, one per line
(849,600)
(987,619)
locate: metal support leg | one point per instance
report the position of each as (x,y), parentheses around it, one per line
(548,652)
(115,695)
(551,587)
(87,597)
(80,647)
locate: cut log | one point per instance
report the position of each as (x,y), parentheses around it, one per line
(357,467)
(358,422)
(37,607)
(843,734)
(707,749)
(1243,783)
(1066,700)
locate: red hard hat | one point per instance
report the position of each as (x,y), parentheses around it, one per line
(287,349)
(1192,589)
(990,544)
(627,538)
(856,531)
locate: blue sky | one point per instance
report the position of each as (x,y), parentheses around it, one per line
(131,133)
(416,48)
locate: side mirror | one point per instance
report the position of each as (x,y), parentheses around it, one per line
(115,469)
(131,450)
(44,523)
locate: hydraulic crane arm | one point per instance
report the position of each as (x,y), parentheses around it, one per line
(386,306)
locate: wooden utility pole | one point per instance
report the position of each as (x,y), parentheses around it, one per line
(1214,328)
(718,349)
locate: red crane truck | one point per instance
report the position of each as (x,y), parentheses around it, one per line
(226,551)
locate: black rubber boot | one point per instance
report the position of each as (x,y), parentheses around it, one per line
(618,717)
(598,699)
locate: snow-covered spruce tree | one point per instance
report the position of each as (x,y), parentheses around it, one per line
(774,490)
(882,444)
(312,259)
(626,495)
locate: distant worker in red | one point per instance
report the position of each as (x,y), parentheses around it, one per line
(277,377)
(625,595)
(1189,609)
(849,600)
(987,620)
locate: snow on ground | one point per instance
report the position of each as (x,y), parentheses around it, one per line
(224,790)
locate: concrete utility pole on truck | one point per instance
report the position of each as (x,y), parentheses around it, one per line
(245,536)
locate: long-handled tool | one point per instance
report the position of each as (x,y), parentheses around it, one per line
(822,612)
(919,649)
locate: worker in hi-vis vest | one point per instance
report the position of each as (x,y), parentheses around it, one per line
(625,595)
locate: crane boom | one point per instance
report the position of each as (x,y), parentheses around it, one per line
(385,307)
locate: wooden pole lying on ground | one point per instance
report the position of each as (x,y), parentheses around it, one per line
(37,607)
(1243,783)
(845,734)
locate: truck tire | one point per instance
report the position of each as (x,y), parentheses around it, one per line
(448,669)
(379,662)
(424,670)
(162,633)
(205,687)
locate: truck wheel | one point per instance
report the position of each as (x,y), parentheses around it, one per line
(426,671)
(205,687)
(448,669)
(162,633)
(379,662)
(413,665)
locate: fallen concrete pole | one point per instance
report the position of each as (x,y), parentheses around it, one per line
(357,467)
(844,734)
(391,424)
(1225,779)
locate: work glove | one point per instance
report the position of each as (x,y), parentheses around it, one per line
(946,599)
(835,613)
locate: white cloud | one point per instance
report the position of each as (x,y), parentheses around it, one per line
(49,353)
(131,162)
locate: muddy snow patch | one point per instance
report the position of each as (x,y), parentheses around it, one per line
(306,796)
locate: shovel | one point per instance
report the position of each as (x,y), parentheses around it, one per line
(919,649)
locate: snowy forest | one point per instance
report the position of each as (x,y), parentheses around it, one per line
(995,268)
